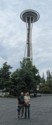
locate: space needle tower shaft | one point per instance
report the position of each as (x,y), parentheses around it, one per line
(29,39)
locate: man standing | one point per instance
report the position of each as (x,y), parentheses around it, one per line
(21,105)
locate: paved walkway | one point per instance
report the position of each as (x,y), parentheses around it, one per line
(41,112)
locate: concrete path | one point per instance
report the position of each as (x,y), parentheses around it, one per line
(41,112)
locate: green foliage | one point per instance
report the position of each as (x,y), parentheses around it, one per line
(45,89)
(5,76)
(26,77)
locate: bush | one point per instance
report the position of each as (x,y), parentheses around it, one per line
(45,89)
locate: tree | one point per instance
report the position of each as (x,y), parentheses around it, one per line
(26,77)
(5,76)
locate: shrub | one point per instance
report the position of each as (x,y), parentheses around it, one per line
(45,89)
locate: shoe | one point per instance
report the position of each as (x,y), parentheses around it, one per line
(18,117)
(22,117)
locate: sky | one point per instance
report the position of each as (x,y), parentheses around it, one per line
(13,33)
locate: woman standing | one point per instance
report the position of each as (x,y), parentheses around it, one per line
(27,105)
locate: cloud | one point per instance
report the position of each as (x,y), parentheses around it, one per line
(13,33)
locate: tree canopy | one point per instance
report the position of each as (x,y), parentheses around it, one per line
(24,78)
(5,75)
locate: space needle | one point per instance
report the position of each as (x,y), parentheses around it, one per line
(29,17)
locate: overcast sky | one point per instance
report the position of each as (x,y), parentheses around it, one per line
(13,33)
